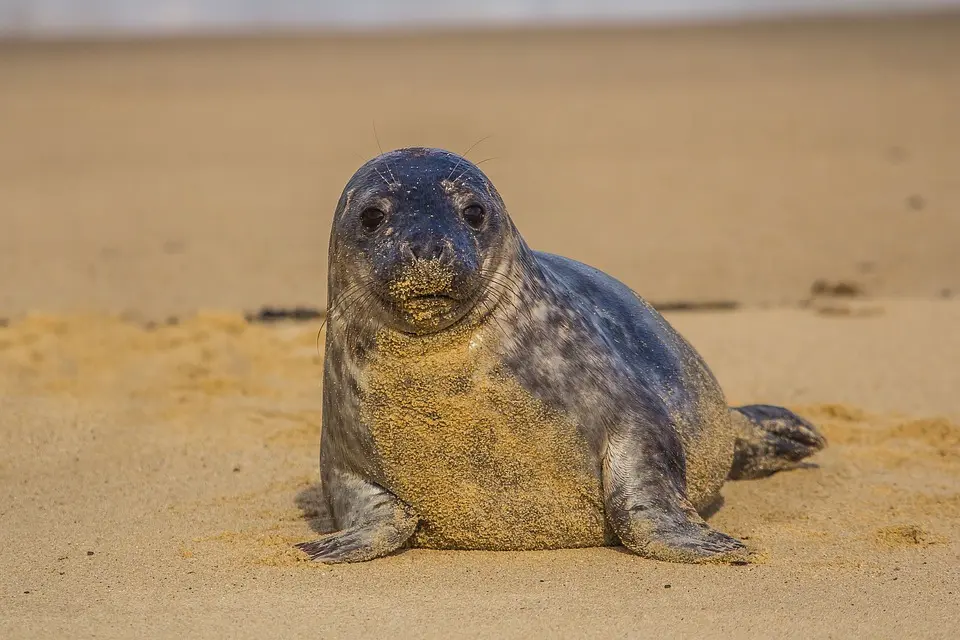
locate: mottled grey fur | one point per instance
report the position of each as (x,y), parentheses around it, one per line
(575,338)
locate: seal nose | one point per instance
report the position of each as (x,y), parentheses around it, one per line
(430,249)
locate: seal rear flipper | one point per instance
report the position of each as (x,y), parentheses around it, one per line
(771,439)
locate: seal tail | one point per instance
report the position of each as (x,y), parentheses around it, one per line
(771,439)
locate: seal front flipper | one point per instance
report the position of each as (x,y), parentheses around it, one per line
(645,500)
(676,533)
(374,523)
(367,540)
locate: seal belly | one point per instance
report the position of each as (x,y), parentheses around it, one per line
(482,462)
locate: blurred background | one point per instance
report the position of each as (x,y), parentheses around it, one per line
(167,156)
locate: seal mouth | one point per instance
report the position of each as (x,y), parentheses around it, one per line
(432,297)
(430,310)
(426,296)
(436,302)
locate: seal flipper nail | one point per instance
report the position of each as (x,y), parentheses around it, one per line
(481,395)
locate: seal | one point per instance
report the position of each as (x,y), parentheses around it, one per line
(481,395)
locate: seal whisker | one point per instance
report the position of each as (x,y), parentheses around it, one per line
(349,307)
(491,313)
(463,156)
(352,291)
(343,295)
(358,307)
(502,286)
(483,305)
(511,287)
(376,136)
(476,164)
(387,162)
(491,305)
(496,273)
(348,293)
(345,304)
(385,181)
(332,308)
(491,279)
(483,139)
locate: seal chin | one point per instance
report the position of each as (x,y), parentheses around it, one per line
(429,313)
(426,296)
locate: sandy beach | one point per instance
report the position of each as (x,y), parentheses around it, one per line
(158,451)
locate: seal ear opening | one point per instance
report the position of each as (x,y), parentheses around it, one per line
(771,439)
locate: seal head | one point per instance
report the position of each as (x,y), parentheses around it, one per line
(416,236)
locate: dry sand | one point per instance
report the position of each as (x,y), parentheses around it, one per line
(737,164)
(153,478)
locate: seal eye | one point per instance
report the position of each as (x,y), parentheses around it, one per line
(474,215)
(371,218)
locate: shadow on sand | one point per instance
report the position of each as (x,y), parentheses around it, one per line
(314,510)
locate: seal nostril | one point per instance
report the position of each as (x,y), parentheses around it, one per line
(426,250)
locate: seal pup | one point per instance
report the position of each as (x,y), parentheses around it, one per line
(481,395)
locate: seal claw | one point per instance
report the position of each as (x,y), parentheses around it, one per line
(351,545)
